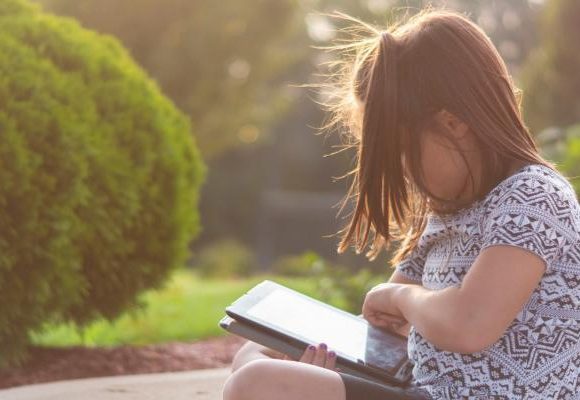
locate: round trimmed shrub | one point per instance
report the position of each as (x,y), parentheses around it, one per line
(99,177)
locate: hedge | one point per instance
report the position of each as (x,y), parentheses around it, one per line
(99,177)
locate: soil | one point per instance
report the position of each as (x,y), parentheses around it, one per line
(48,364)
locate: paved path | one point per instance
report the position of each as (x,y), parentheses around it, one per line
(205,384)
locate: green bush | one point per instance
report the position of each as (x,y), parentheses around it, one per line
(549,75)
(569,159)
(225,258)
(100,177)
(304,264)
(335,284)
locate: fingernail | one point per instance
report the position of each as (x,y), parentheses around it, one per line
(331,353)
(323,345)
(311,347)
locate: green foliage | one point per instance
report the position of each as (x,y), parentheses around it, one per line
(570,159)
(339,284)
(220,61)
(562,146)
(335,283)
(100,176)
(226,258)
(304,264)
(11,7)
(550,76)
(187,308)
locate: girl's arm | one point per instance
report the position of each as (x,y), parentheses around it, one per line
(397,277)
(470,317)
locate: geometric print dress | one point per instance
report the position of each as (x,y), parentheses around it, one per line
(538,356)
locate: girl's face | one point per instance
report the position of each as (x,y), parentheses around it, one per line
(444,170)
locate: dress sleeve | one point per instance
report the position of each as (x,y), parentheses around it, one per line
(412,265)
(535,214)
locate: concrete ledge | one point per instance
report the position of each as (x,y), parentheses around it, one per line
(205,384)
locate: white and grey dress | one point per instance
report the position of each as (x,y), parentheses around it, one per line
(538,356)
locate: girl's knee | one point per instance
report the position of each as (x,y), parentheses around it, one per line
(230,390)
(248,352)
(239,384)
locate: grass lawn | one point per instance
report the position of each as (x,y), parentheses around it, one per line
(188,308)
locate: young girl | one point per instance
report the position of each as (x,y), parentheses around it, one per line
(487,279)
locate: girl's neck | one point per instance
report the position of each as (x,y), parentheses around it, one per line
(467,199)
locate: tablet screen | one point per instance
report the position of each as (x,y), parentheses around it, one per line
(315,323)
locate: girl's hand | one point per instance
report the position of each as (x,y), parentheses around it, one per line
(318,355)
(380,309)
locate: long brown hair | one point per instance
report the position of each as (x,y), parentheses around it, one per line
(389,86)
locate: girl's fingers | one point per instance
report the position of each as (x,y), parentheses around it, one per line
(392,324)
(387,316)
(389,319)
(388,323)
(320,356)
(308,355)
(376,320)
(385,322)
(330,360)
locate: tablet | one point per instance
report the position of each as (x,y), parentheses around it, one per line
(299,320)
(279,344)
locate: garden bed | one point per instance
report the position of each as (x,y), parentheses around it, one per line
(53,364)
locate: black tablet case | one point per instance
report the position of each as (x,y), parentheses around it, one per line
(237,324)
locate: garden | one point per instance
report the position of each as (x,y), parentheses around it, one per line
(157,161)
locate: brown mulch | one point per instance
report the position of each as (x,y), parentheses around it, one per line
(53,364)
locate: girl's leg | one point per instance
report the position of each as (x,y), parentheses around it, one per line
(267,379)
(252,351)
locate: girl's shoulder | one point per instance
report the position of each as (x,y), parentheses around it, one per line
(536,208)
(535,186)
(535,195)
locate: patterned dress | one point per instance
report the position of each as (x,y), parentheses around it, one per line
(538,356)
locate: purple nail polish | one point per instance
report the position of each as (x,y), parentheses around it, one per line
(311,347)
(323,345)
(331,353)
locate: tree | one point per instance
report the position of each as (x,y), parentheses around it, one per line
(222,62)
(100,176)
(550,77)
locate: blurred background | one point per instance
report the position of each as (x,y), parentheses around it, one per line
(232,66)
(268,203)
